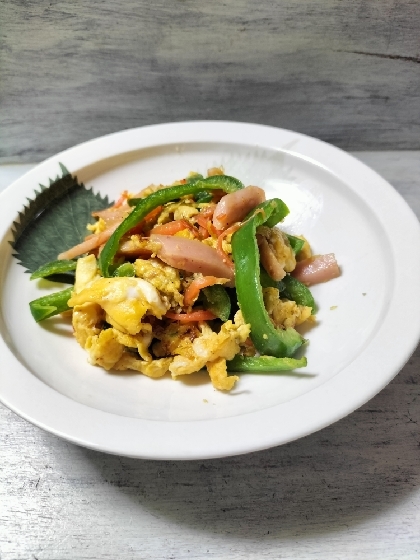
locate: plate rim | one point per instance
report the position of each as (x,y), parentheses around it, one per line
(344,166)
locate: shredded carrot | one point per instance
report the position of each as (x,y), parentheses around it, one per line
(201,220)
(204,234)
(147,221)
(205,215)
(171,227)
(201,315)
(220,238)
(212,230)
(151,216)
(121,200)
(191,293)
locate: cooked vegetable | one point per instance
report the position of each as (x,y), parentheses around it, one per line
(203,196)
(187,277)
(264,364)
(194,316)
(54,267)
(171,228)
(298,292)
(296,243)
(266,281)
(144,206)
(126,269)
(193,290)
(217,301)
(48,306)
(267,339)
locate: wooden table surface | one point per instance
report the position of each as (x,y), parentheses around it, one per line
(350,491)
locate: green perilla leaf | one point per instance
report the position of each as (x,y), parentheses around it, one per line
(54,220)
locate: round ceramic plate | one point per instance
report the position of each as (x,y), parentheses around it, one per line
(368,319)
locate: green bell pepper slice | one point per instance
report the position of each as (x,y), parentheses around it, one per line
(217,300)
(268,282)
(264,364)
(54,267)
(126,269)
(294,289)
(267,339)
(144,206)
(296,243)
(48,306)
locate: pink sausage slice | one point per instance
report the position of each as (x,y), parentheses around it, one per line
(233,207)
(193,256)
(315,270)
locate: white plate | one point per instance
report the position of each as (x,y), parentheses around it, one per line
(368,320)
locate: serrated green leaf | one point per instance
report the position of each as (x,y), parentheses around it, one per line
(54,220)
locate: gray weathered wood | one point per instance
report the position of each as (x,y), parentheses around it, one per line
(349,491)
(346,71)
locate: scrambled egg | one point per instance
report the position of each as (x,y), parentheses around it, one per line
(98,227)
(163,277)
(104,349)
(87,321)
(183,210)
(173,337)
(86,272)
(155,368)
(282,312)
(120,302)
(109,320)
(124,300)
(211,349)
(108,349)
(306,251)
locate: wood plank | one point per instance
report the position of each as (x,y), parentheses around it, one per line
(344,71)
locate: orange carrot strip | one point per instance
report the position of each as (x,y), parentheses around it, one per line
(201,220)
(205,215)
(121,200)
(191,293)
(212,230)
(201,315)
(204,234)
(171,227)
(147,221)
(220,238)
(194,230)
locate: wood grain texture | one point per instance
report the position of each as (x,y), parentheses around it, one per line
(346,71)
(349,491)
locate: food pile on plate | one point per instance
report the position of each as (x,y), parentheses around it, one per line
(190,276)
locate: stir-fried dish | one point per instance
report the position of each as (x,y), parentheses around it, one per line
(191,276)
